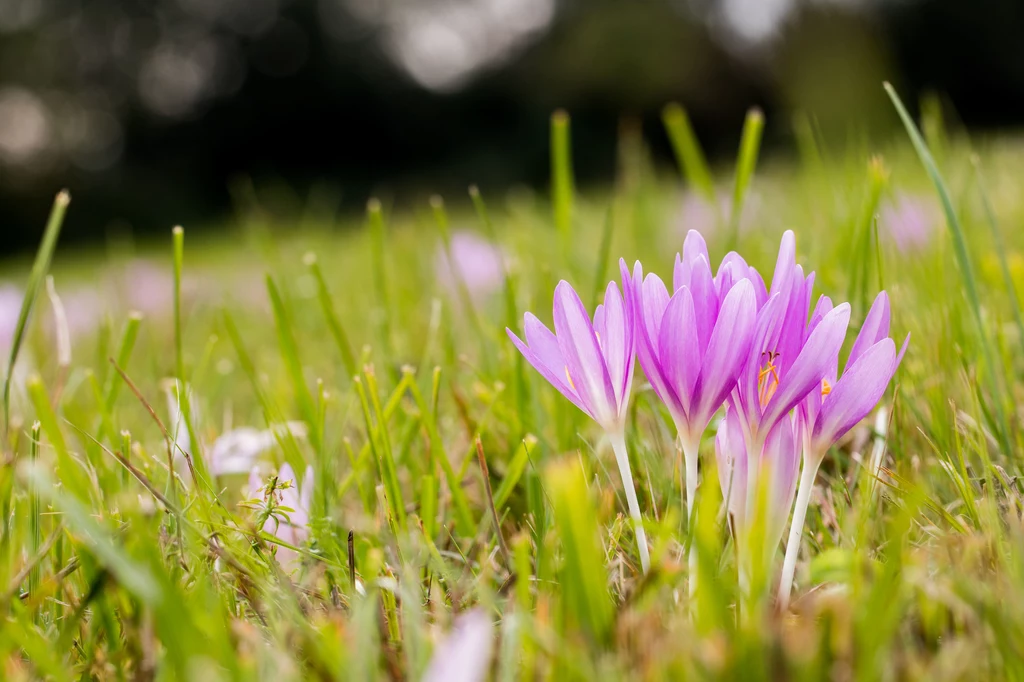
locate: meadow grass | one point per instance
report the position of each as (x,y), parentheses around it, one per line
(452,485)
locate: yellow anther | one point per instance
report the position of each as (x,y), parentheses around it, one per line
(569,378)
(768,379)
(826,388)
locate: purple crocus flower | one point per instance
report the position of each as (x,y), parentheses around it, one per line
(910,222)
(475,261)
(839,405)
(291,527)
(788,357)
(590,362)
(774,470)
(693,344)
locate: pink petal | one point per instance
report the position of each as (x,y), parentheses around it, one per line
(810,366)
(855,394)
(677,348)
(705,302)
(582,354)
(874,329)
(728,349)
(733,463)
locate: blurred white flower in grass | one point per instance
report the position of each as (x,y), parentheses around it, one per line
(289,525)
(910,222)
(233,452)
(475,261)
(10,307)
(465,655)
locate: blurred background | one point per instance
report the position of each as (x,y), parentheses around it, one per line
(158,112)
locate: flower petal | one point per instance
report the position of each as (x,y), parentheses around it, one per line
(821,308)
(728,349)
(583,357)
(647,331)
(694,248)
(855,394)
(677,348)
(731,453)
(306,495)
(545,356)
(794,326)
(785,263)
(874,329)
(732,270)
(616,342)
(780,465)
(810,365)
(705,301)
(655,300)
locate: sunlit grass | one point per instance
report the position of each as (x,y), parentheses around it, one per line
(128,552)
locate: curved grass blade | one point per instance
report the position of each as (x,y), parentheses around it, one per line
(963,259)
(40,268)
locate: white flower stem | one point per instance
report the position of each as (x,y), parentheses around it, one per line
(618,440)
(796,530)
(691,449)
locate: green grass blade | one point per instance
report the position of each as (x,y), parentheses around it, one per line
(290,354)
(348,358)
(582,575)
(746,162)
(603,251)
(692,164)
(562,184)
(40,268)
(962,256)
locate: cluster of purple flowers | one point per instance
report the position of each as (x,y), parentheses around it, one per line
(723,341)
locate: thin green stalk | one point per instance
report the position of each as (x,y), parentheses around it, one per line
(692,164)
(562,184)
(112,386)
(348,358)
(601,268)
(618,442)
(178,236)
(40,268)
(290,353)
(963,259)
(378,250)
(35,522)
(746,162)
(465,296)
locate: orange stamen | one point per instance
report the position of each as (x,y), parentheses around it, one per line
(768,379)
(826,388)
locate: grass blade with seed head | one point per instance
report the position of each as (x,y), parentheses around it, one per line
(40,268)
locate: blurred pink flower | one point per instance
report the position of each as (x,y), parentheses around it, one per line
(698,213)
(465,654)
(910,222)
(478,263)
(10,307)
(147,287)
(84,309)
